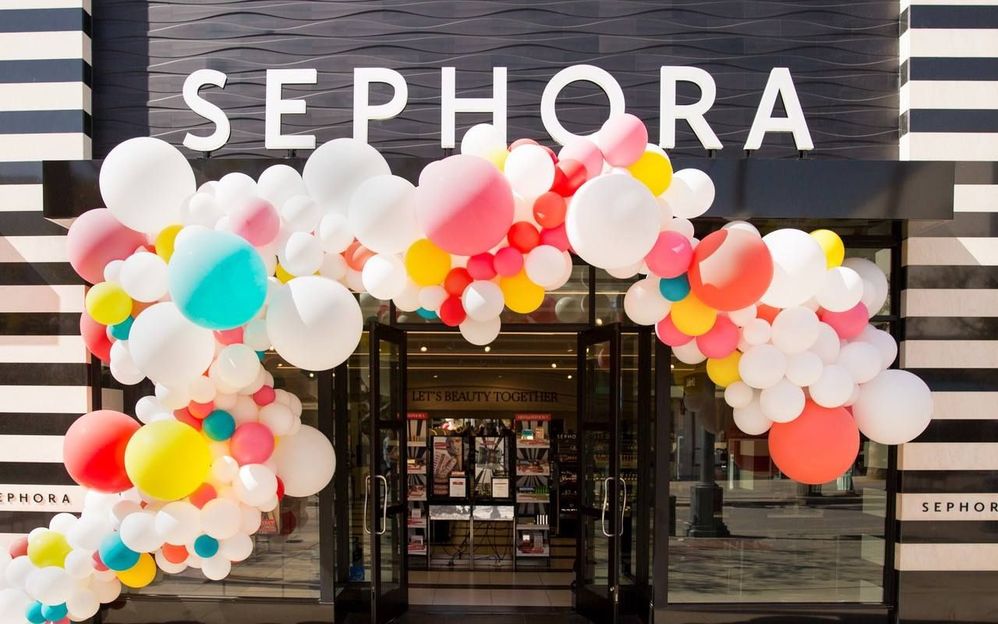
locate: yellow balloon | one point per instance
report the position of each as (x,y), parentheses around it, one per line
(165,240)
(167,459)
(692,316)
(498,158)
(426,263)
(48,548)
(522,295)
(653,170)
(140,574)
(108,304)
(724,371)
(831,244)
(282,276)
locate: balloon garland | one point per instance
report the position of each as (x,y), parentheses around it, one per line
(193,284)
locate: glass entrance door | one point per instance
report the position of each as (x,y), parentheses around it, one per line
(386,485)
(601,491)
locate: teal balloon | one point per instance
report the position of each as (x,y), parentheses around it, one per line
(219,425)
(34,613)
(122,329)
(217,279)
(54,613)
(674,288)
(205,546)
(429,315)
(115,555)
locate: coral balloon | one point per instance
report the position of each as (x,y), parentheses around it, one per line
(452,312)
(464,205)
(94,450)
(550,209)
(457,280)
(167,459)
(731,269)
(96,238)
(817,446)
(481,266)
(95,337)
(523,236)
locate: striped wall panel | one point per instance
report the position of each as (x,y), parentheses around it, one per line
(45,108)
(949,80)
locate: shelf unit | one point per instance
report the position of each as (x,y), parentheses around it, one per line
(567,494)
(533,487)
(417,483)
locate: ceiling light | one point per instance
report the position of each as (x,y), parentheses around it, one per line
(487,348)
(423,349)
(569,376)
(554,365)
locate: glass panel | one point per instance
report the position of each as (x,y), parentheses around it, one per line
(628,458)
(746,534)
(391,570)
(597,556)
(356,462)
(610,293)
(595,445)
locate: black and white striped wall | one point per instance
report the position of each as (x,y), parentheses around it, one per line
(45,104)
(947,554)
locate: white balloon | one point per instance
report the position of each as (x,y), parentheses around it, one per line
(178,522)
(381,214)
(255,484)
(354,280)
(233,190)
(482,140)
(894,408)
(144,181)
(803,369)
(480,332)
(238,365)
(168,348)
(738,394)
(79,564)
(278,418)
(279,183)
(49,585)
(626,272)
(690,194)
(384,276)
(250,520)
(689,353)
(82,604)
(799,267)
(106,591)
(862,360)
(545,266)
(17,571)
(827,345)
(305,462)
(751,420)
(612,221)
(13,604)
(681,225)
(301,254)
(314,323)
(138,532)
(644,303)
(833,388)
(757,331)
(300,214)
(883,342)
(875,286)
(530,170)
(143,276)
(62,522)
(334,171)
(220,517)
(88,532)
(743,317)
(841,290)
(782,402)
(795,330)
(216,568)
(432,297)
(168,566)
(201,209)
(408,299)
(762,366)
(741,225)
(243,410)
(334,233)
(237,548)
(123,367)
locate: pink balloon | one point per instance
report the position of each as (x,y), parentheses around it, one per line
(257,221)
(481,267)
(622,139)
(586,152)
(464,205)
(721,340)
(95,239)
(671,255)
(230,336)
(668,334)
(848,324)
(508,261)
(264,396)
(252,443)
(556,237)
(95,337)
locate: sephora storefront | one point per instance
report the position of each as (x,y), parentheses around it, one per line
(672,312)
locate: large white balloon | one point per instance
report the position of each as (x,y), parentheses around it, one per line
(334,171)
(875,287)
(384,276)
(894,408)
(314,323)
(644,303)
(782,402)
(862,360)
(612,221)
(762,366)
(841,291)
(833,388)
(144,181)
(305,462)
(480,333)
(168,348)
(144,277)
(530,170)
(690,194)
(381,214)
(483,301)
(799,267)
(751,420)
(795,330)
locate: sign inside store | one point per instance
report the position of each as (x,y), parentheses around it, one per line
(483,396)
(780,85)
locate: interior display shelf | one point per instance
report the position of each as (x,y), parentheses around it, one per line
(543,553)
(416,524)
(533,443)
(532,498)
(532,527)
(419,443)
(419,550)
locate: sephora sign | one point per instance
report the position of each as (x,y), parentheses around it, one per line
(779,85)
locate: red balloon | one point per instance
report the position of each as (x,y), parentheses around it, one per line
(508,261)
(94,450)
(186,417)
(452,312)
(98,564)
(550,209)
(95,337)
(280,489)
(203,494)
(817,446)
(357,256)
(175,553)
(19,547)
(556,237)
(731,269)
(569,175)
(201,410)
(766,313)
(523,236)
(481,266)
(457,280)
(95,239)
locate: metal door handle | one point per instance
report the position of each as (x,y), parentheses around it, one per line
(384,506)
(623,507)
(606,497)
(367,491)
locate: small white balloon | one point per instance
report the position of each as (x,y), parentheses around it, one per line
(301,254)
(300,214)
(833,388)
(106,590)
(757,331)
(278,418)
(220,517)
(782,402)
(202,389)
(875,286)
(681,225)
(237,548)
(49,585)
(883,342)
(741,225)
(336,169)
(432,297)
(250,519)
(827,345)
(216,568)
(143,276)
(334,266)
(795,330)
(803,369)
(238,365)
(233,190)
(480,332)
(79,564)
(738,394)
(530,170)
(689,353)
(408,299)
(644,303)
(178,522)
(861,359)
(743,317)
(382,216)
(690,194)
(305,462)
(279,183)
(841,290)
(138,532)
(762,366)
(255,484)
(334,233)
(384,276)
(482,140)
(799,266)
(88,532)
(545,266)
(751,420)
(82,604)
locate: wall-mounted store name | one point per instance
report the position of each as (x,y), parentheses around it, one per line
(482,396)
(780,85)
(965,506)
(914,506)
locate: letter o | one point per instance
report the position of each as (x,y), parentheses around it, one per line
(577,73)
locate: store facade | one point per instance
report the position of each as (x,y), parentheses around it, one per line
(908,537)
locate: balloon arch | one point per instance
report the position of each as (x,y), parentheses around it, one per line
(191,285)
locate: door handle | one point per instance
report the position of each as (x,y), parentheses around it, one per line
(384,506)
(623,507)
(606,500)
(367,492)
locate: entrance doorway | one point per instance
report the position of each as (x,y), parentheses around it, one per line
(478,478)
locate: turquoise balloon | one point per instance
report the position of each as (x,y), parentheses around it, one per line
(217,279)
(115,554)
(54,613)
(219,425)
(675,288)
(429,315)
(205,546)
(34,613)
(122,329)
